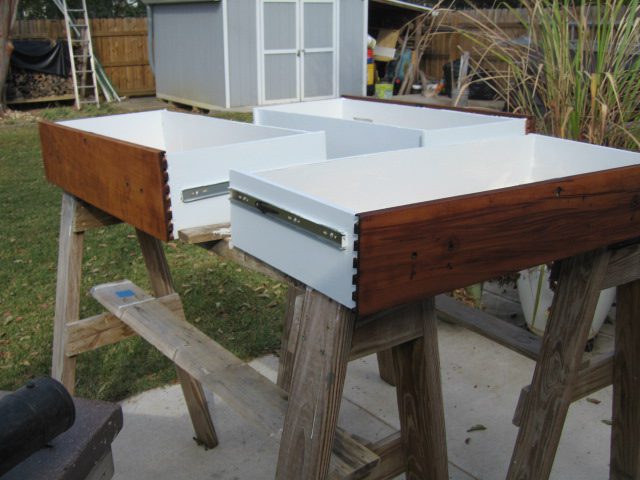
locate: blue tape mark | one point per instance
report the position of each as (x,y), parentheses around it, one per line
(125,293)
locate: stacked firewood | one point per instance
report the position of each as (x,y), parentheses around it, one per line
(23,84)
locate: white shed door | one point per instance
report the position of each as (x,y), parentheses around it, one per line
(299,59)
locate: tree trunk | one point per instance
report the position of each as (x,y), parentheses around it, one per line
(8,11)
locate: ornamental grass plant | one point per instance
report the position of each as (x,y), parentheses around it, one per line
(576,70)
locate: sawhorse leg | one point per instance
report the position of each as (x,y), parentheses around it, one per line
(317,382)
(546,407)
(419,390)
(162,284)
(322,351)
(68,281)
(74,220)
(625,431)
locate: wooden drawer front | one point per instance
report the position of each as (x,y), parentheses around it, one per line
(431,220)
(408,253)
(125,180)
(164,171)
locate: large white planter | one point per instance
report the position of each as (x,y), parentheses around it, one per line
(536,297)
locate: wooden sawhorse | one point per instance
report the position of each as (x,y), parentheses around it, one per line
(561,376)
(72,335)
(328,336)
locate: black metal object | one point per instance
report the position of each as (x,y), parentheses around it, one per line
(31,417)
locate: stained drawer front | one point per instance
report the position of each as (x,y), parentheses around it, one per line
(164,171)
(429,220)
(126,180)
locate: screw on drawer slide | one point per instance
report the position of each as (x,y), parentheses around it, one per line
(322,232)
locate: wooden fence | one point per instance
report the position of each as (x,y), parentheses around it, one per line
(120,44)
(448,42)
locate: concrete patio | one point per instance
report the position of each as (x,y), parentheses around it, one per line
(481,383)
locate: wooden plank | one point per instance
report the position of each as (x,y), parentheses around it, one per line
(385,330)
(68,280)
(198,409)
(51,98)
(595,376)
(393,459)
(125,180)
(409,252)
(515,338)
(162,284)
(127,33)
(222,249)
(419,392)
(624,266)
(252,395)
(625,431)
(357,460)
(557,370)
(290,332)
(88,217)
(385,366)
(105,329)
(205,233)
(317,382)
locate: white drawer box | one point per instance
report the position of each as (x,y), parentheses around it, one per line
(164,171)
(378,230)
(356,127)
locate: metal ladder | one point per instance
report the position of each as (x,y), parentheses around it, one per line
(83,68)
(80,31)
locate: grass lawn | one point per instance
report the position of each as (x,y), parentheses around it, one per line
(239,309)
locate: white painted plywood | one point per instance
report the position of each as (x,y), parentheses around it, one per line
(371,182)
(201,150)
(356,127)
(195,168)
(142,128)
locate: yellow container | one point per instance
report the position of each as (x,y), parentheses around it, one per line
(384,90)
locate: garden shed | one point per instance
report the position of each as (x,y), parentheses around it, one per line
(222,53)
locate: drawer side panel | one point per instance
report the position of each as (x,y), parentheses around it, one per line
(125,180)
(411,252)
(345,138)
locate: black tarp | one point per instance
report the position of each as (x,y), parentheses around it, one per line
(41,56)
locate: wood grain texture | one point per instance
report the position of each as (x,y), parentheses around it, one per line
(385,366)
(124,180)
(625,431)
(407,253)
(556,372)
(317,383)
(162,285)
(205,233)
(105,329)
(530,126)
(88,217)
(221,248)
(420,404)
(514,338)
(198,410)
(385,330)
(393,460)
(290,331)
(68,280)
(624,266)
(357,460)
(250,394)
(596,375)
